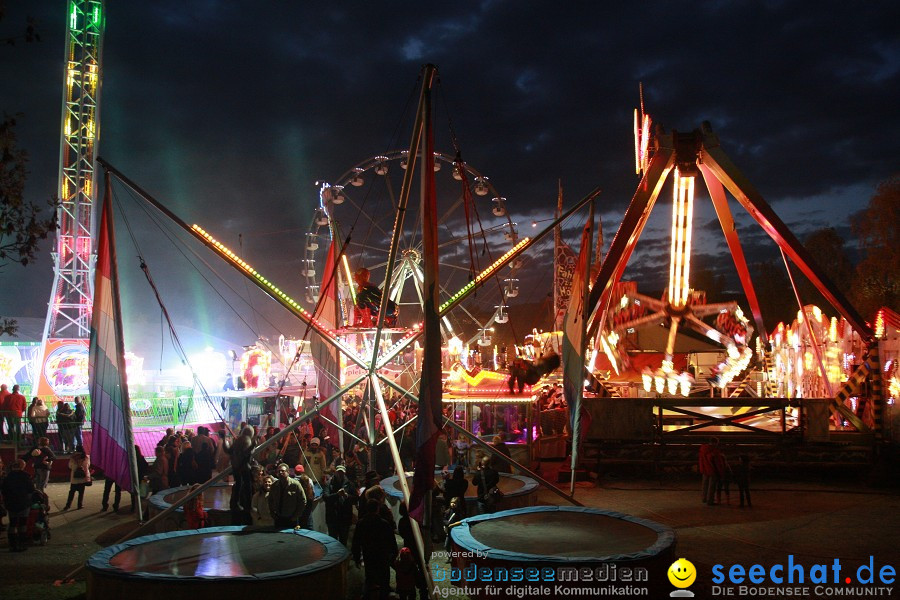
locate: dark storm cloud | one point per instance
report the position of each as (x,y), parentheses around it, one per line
(229,112)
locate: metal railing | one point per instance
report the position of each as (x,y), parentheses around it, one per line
(676,417)
(176,408)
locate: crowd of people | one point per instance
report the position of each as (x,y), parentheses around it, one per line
(280,485)
(27,423)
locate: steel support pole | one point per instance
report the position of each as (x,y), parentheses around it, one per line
(726,220)
(375,385)
(497,454)
(712,155)
(302,315)
(450,305)
(629,232)
(809,329)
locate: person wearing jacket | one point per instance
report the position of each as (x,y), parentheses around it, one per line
(375,545)
(79,476)
(340,495)
(42,458)
(286,499)
(78,421)
(17,489)
(39,418)
(14,407)
(64,416)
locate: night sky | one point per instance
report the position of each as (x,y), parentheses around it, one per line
(229,112)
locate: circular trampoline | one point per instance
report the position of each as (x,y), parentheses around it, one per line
(518,491)
(216,501)
(564,536)
(220,562)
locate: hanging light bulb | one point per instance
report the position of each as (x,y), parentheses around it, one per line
(647,379)
(672,384)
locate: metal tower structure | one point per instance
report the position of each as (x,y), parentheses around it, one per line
(69,309)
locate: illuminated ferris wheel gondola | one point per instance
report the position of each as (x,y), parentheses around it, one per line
(474,224)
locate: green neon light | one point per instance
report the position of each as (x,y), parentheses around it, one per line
(97,14)
(73,18)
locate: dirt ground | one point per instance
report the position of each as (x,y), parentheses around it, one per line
(814,517)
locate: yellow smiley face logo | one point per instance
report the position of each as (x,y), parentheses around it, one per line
(682,573)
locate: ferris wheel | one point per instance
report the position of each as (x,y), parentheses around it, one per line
(474,228)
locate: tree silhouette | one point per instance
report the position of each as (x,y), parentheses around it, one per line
(877,280)
(22,223)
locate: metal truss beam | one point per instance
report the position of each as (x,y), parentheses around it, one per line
(720,203)
(715,159)
(629,231)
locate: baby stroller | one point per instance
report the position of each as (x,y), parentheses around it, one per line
(38,524)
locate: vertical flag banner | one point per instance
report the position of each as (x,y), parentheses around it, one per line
(113,443)
(324,355)
(564,269)
(574,334)
(430,417)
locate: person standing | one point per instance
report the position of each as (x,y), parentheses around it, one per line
(286,499)
(187,467)
(64,416)
(17,488)
(158,473)
(15,408)
(260,503)
(724,475)
(4,394)
(310,491)
(79,476)
(78,422)
(455,513)
(204,453)
(375,545)
(707,468)
(456,486)
(241,450)
(42,458)
(39,417)
(340,496)
(315,459)
(500,465)
(173,451)
(28,410)
(406,567)
(486,480)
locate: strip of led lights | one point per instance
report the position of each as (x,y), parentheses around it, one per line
(276,293)
(680,259)
(464,291)
(399,345)
(450,303)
